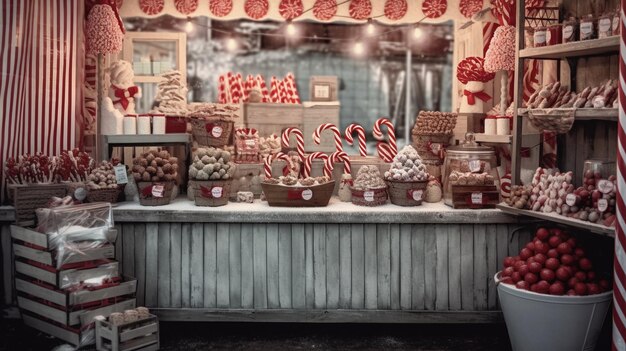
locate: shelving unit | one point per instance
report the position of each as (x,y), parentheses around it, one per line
(492,139)
(570,53)
(112,141)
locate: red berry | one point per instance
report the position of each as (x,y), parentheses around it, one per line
(552,253)
(585,264)
(518,264)
(564,248)
(522,285)
(563,274)
(557,289)
(508,261)
(523,270)
(516,277)
(542,234)
(552,263)
(545,274)
(567,259)
(580,288)
(581,276)
(525,254)
(554,241)
(571,283)
(540,258)
(593,289)
(556,231)
(534,267)
(506,280)
(530,260)
(531,278)
(533,288)
(543,287)
(541,247)
(530,246)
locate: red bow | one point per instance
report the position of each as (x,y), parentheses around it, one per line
(124,94)
(471,96)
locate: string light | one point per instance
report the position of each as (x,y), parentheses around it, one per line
(370,28)
(231,44)
(358,48)
(189,25)
(417,33)
(291,29)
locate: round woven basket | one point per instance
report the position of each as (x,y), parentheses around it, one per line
(205,131)
(371,197)
(406,193)
(145,193)
(211,193)
(104,195)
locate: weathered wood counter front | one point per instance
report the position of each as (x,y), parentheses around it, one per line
(341,263)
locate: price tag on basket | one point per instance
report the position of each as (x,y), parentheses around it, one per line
(605,186)
(215,192)
(474,166)
(477,198)
(603,205)
(157,190)
(368,196)
(250,143)
(570,199)
(80,193)
(307,194)
(217,131)
(415,194)
(120,174)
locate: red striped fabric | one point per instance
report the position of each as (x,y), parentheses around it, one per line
(39,47)
(619,292)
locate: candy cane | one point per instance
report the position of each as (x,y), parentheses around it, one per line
(322,127)
(223,97)
(264,92)
(307,164)
(351,129)
(274,90)
(378,134)
(282,92)
(295,98)
(270,158)
(385,151)
(299,140)
(339,156)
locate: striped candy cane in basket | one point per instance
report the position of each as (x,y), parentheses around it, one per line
(333,128)
(299,140)
(308,162)
(360,132)
(270,158)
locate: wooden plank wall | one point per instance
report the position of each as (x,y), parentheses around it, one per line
(317,266)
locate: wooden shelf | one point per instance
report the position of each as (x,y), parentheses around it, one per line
(553,217)
(583,114)
(575,49)
(493,139)
(123,140)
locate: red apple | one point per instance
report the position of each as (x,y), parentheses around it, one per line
(579,252)
(571,283)
(593,289)
(567,259)
(541,247)
(585,264)
(581,289)
(554,241)
(525,253)
(545,274)
(523,270)
(552,253)
(508,261)
(552,263)
(581,276)
(531,278)
(563,274)
(534,267)
(516,277)
(542,234)
(564,248)
(522,285)
(540,258)
(543,287)
(556,288)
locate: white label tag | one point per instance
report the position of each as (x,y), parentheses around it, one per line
(157,190)
(567,32)
(120,174)
(417,195)
(539,37)
(307,194)
(250,142)
(604,25)
(217,131)
(570,199)
(586,27)
(605,186)
(477,198)
(80,194)
(216,192)
(474,166)
(603,204)
(368,196)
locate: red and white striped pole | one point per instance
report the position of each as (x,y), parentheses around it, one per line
(619,290)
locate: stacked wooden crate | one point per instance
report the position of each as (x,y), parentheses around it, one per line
(140,335)
(62,284)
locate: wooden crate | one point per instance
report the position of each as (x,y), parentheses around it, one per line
(138,335)
(64,278)
(272,118)
(66,317)
(45,242)
(316,113)
(248,171)
(475,196)
(74,336)
(68,299)
(51,258)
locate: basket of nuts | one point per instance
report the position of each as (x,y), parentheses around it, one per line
(432,133)
(155,173)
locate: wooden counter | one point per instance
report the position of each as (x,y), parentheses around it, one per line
(341,263)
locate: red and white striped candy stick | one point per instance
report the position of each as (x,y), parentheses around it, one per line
(385,151)
(288,91)
(221,88)
(239,84)
(294,89)
(232,84)
(270,158)
(299,140)
(339,156)
(306,172)
(325,126)
(248,85)
(264,92)
(378,134)
(282,92)
(351,129)
(274,97)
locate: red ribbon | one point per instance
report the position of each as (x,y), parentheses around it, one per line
(147,191)
(124,95)
(294,194)
(207,192)
(471,96)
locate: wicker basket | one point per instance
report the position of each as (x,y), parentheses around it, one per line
(111,195)
(211,131)
(406,193)
(298,196)
(28,198)
(146,189)
(371,197)
(559,121)
(211,193)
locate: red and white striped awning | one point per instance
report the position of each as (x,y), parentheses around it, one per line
(348,11)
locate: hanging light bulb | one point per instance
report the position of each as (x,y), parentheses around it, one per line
(370,28)
(231,44)
(189,26)
(417,33)
(291,29)
(358,48)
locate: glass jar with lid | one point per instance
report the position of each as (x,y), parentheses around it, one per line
(469,158)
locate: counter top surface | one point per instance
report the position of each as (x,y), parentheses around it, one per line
(183,210)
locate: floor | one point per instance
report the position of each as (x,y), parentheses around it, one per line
(261,337)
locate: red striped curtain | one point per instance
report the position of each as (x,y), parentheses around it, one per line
(41,54)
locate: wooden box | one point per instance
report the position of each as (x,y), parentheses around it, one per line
(138,335)
(74,336)
(323,88)
(298,196)
(316,113)
(64,278)
(272,118)
(52,258)
(475,196)
(45,242)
